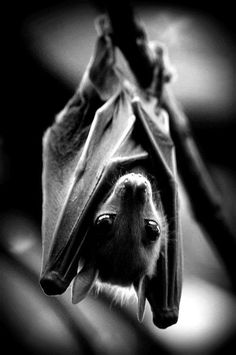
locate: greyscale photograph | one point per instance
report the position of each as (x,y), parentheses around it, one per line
(118,178)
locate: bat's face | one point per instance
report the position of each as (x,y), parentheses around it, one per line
(126,236)
(127,229)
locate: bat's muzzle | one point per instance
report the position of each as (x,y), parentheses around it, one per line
(133,186)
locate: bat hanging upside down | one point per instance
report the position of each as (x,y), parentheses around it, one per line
(109,189)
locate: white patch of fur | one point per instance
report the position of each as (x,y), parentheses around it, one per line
(120,295)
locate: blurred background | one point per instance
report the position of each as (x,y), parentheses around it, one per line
(46,47)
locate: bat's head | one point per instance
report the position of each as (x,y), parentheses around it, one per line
(128,230)
(125,238)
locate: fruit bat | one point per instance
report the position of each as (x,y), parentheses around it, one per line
(110,197)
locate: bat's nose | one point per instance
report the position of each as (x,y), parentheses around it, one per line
(135,185)
(52,284)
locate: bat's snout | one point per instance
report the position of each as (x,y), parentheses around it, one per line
(133,185)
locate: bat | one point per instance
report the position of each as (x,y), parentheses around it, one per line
(110,196)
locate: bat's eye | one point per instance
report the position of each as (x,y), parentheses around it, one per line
(104,223)
(153,230)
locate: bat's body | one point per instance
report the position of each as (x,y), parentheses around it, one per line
(109,190)
(124,238)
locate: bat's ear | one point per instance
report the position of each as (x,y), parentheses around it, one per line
(83,283)
(140,289)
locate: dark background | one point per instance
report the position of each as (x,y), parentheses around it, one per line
(32,95)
